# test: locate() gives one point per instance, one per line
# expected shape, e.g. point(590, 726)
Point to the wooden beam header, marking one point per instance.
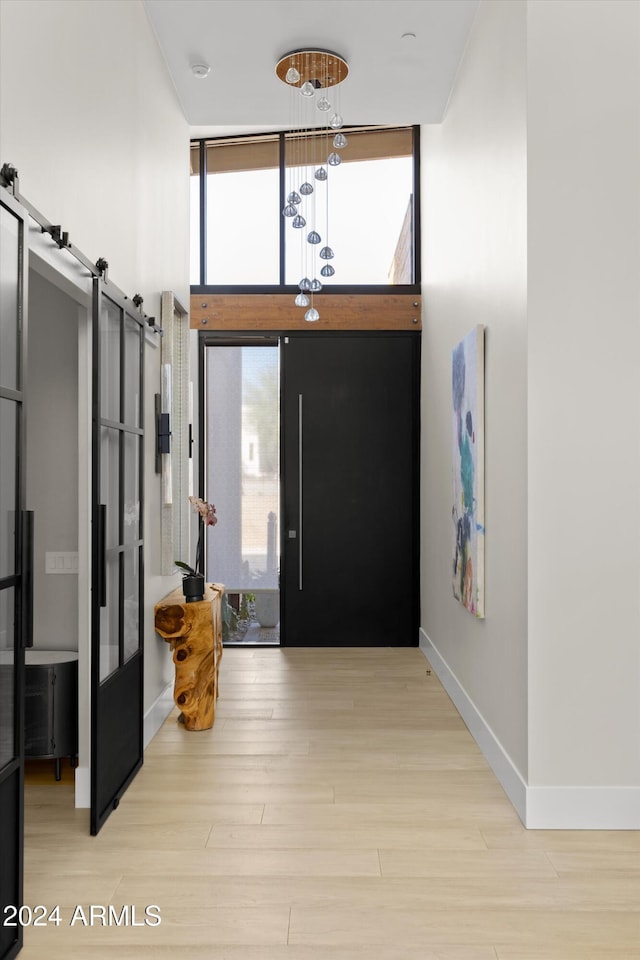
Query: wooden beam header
point(231, 312)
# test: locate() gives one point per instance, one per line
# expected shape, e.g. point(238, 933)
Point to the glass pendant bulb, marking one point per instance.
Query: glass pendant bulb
point(334, 159)
point(314, 237)
point(339, 140)
point(312, 314)
point(302, 300)
point(307, 89)
point(321, 174)
point(323, 104)
point(305, 284)
point(327, 270)
point(290, 210)
point(298, 222)
point(306, 188)
point(316, 286)
point(336, 121)
point(326, 253)
point(295, 197)
point(292, 75)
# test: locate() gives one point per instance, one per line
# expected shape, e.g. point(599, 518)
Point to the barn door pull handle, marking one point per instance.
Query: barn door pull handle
point(299, 491)
point(27, 579)
point(102, 558)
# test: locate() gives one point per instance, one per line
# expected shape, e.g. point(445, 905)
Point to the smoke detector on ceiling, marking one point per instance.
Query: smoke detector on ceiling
point(200, 70)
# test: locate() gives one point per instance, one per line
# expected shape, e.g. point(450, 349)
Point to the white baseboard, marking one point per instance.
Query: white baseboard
point(157, 714)
point(83, 787)
point(583, 808)
point(508, 775)
point(539, 808)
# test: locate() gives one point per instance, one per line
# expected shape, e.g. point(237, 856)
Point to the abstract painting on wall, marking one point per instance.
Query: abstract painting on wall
point(468, 471)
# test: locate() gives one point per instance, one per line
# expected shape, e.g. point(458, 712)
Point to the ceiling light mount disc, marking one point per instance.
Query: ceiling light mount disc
point(323, 68)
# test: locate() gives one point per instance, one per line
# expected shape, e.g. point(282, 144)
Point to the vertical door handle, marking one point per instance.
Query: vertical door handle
point(102, 555)
point(299, 491)
point(27, 579)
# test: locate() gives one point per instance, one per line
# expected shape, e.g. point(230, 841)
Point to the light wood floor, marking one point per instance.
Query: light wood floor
point(338, 810)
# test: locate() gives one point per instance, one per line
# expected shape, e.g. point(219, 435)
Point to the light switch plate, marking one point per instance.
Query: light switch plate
point(66, 562)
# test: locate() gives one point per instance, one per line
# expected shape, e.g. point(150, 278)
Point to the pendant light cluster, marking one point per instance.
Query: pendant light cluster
point(313, 77)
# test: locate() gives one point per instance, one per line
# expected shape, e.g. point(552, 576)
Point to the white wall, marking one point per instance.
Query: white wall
point(90, 119)
point(531, 224)
point(584, 376)
point(474, 271)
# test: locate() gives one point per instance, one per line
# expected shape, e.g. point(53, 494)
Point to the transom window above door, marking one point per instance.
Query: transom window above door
point(239, 188)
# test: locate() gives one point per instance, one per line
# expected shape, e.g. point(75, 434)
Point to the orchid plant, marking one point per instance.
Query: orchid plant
point(207, 518)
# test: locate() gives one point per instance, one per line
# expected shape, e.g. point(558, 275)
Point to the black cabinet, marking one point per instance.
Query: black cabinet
point(51, 705)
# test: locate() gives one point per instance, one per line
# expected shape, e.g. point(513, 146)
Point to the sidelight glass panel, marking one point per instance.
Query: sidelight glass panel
point(110, 618)
point(131, 518)
point(132, 337)
point(242, 466)
point(8, 459)
point(110, 481)
point(131, 625)
point(7, 676)
point(9, 289)
point(110, 361)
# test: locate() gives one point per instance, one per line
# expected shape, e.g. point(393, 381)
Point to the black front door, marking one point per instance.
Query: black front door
point(350, 412)
point(117, 577)
point(15, 569)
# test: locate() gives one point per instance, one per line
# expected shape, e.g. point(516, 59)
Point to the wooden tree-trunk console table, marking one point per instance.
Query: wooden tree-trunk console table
point(194, 632)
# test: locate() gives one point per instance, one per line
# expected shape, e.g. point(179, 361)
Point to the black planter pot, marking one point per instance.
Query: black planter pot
point(193, 587)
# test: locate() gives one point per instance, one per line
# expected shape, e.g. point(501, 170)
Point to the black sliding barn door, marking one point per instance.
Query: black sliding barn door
point(117, 580)
point(15, 568)
point(350, 412)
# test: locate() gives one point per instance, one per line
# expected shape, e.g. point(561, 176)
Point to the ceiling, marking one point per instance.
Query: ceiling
point(392, 80)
